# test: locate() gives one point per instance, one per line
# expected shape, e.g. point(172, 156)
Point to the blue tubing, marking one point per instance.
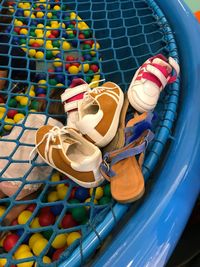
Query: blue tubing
point(151, 235)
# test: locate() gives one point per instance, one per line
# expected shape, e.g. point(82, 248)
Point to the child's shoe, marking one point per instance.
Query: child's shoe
point(70, 153)
point(70, 99)
point(150, 80)
point(99, 113)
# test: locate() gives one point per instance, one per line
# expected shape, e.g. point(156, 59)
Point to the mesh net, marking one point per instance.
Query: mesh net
point(43, 46)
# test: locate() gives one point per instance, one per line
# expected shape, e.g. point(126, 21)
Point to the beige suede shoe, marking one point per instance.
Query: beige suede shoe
point(69, 152)
point(99, 113)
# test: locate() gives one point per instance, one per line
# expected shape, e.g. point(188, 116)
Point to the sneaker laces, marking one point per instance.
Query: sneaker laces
point(50, 136)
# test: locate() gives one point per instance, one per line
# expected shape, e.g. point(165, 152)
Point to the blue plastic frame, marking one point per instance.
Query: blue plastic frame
point(151, 235)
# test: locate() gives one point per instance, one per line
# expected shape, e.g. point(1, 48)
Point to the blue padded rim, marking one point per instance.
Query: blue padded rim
point(94, 239)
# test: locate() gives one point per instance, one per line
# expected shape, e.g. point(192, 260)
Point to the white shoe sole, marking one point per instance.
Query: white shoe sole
point(83, 184)
point(115, 123)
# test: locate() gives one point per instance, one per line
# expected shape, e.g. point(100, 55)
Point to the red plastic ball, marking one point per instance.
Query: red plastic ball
point(68, 221)
point(89, 42)
point(41, 95)
point(56, 33)
point(35, 45)
point(10, 241)
point(51, 36)
point(17, 29)
point(46, 219)
point(57, 253)
point(11, 113)
point(14, 222)
point(72, 194)
point(75, 64)
point(73, 22)
point(31, 207)
point(81, 36)
point(45, 209)
point(94, 67)
point(51, 73)
point(70, 58)
point(67, 66)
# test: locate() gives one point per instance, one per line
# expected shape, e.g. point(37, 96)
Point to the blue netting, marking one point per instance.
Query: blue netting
point(109, 39)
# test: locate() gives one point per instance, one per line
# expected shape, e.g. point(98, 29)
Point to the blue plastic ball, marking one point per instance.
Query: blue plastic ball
point(81, 194)
point(39, 91)
point(60, 78)
point(58, 69)
point(87, 57)
point(56, 209)
point(59, 55)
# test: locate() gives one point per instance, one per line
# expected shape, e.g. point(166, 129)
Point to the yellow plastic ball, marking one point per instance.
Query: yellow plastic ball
point(55, 177)
point(27, 13)
point(31, 41)
point(42, 83)
point(35, 223)
point(39, 246)
point(39, 14)
point(49, 46)
point(24, 48)
point(52, 197)
point(62, 25)
point(32, 16)
point(18, 117)
point(60, 241)
point(85, 67)
point(41, 36)
point(98, 192)
point(45, 259)
point(59, 186)
point(73, 70)
point(21, 249)
point(39, 55)
point(31, 52)
point(24, 101)
point(47, 34)
point(40, 25)
point(9, 126)
point(40, 41)
point(3, 262)
point(57, 62)
point(57, 7)
point(55, 51)
point(2, 109)
point(69, 31)
point(24, 216)
point(2, 210)
point(62, 192)
point(38, 31)
point(73, 236)
point(49, 15)
point(89, 200)
point(34, 238)
point(66, 45)
point(1, 115)
point(18, 23)
point(60, 85)
point(31, 93)
point(23, 31)
point(25, 255)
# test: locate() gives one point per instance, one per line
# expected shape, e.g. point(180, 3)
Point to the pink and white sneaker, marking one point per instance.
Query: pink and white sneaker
point(70, 99)
point(149, 80)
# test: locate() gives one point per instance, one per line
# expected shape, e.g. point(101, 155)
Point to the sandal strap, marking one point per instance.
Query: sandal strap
point(135, 131)
point(130, 150)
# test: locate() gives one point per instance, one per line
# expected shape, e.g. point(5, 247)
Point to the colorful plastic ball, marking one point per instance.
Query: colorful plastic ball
point(31, 207)
point(72, 237)
point(18, 117)
point(79, 214)
point(35, 45)
point(98, 192)
point(60, 78)
point(11, 113)
point(57, 62)
point(24, 216)
point(82, 193)
point(39, 246)
point(39, 91)
point(24, 101)
point(57, 7)
point(2, 210)
point(68, 221)
point(62, 192)
point(35, 223)
point(85, 67)
point(56, 33)
point(25, 255)
point(49, 54)
point(39, 14)
point(39, 55)
point(56, 43)
point(22, 248)
point(33, 239)
point(57, 253)
point(23, 31)
point(3, 262)
point(55, 177)
point(12, 103)
point(2, 99)
point(31, 52)
point(52, 196)
point(106, 190)
point(59, 241)
point(66, 45)
point(10, 241)
point(56, 209)
point(94, 68)
point(90, 199)
point(46, 218)
point(45, 259)
point(35, 105)
point(8, 126)
point(73, 70)
point(70, 58)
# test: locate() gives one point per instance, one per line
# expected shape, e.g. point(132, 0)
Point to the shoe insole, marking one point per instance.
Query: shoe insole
point(128, 184)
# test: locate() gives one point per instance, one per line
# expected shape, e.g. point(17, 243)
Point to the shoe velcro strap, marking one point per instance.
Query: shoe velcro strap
point(72, 92)
point(71, 105)
point(130, 150)
point(157, 73)
point(176, 67)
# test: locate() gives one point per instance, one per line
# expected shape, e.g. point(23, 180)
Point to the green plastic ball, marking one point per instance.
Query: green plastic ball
point(49, 54)
point(12, 103)
point(52, 82)
point(47, 234)
point(35, 105)
point(106, 190)
point(56, 43)
point(104, 200)
point(79, 214)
